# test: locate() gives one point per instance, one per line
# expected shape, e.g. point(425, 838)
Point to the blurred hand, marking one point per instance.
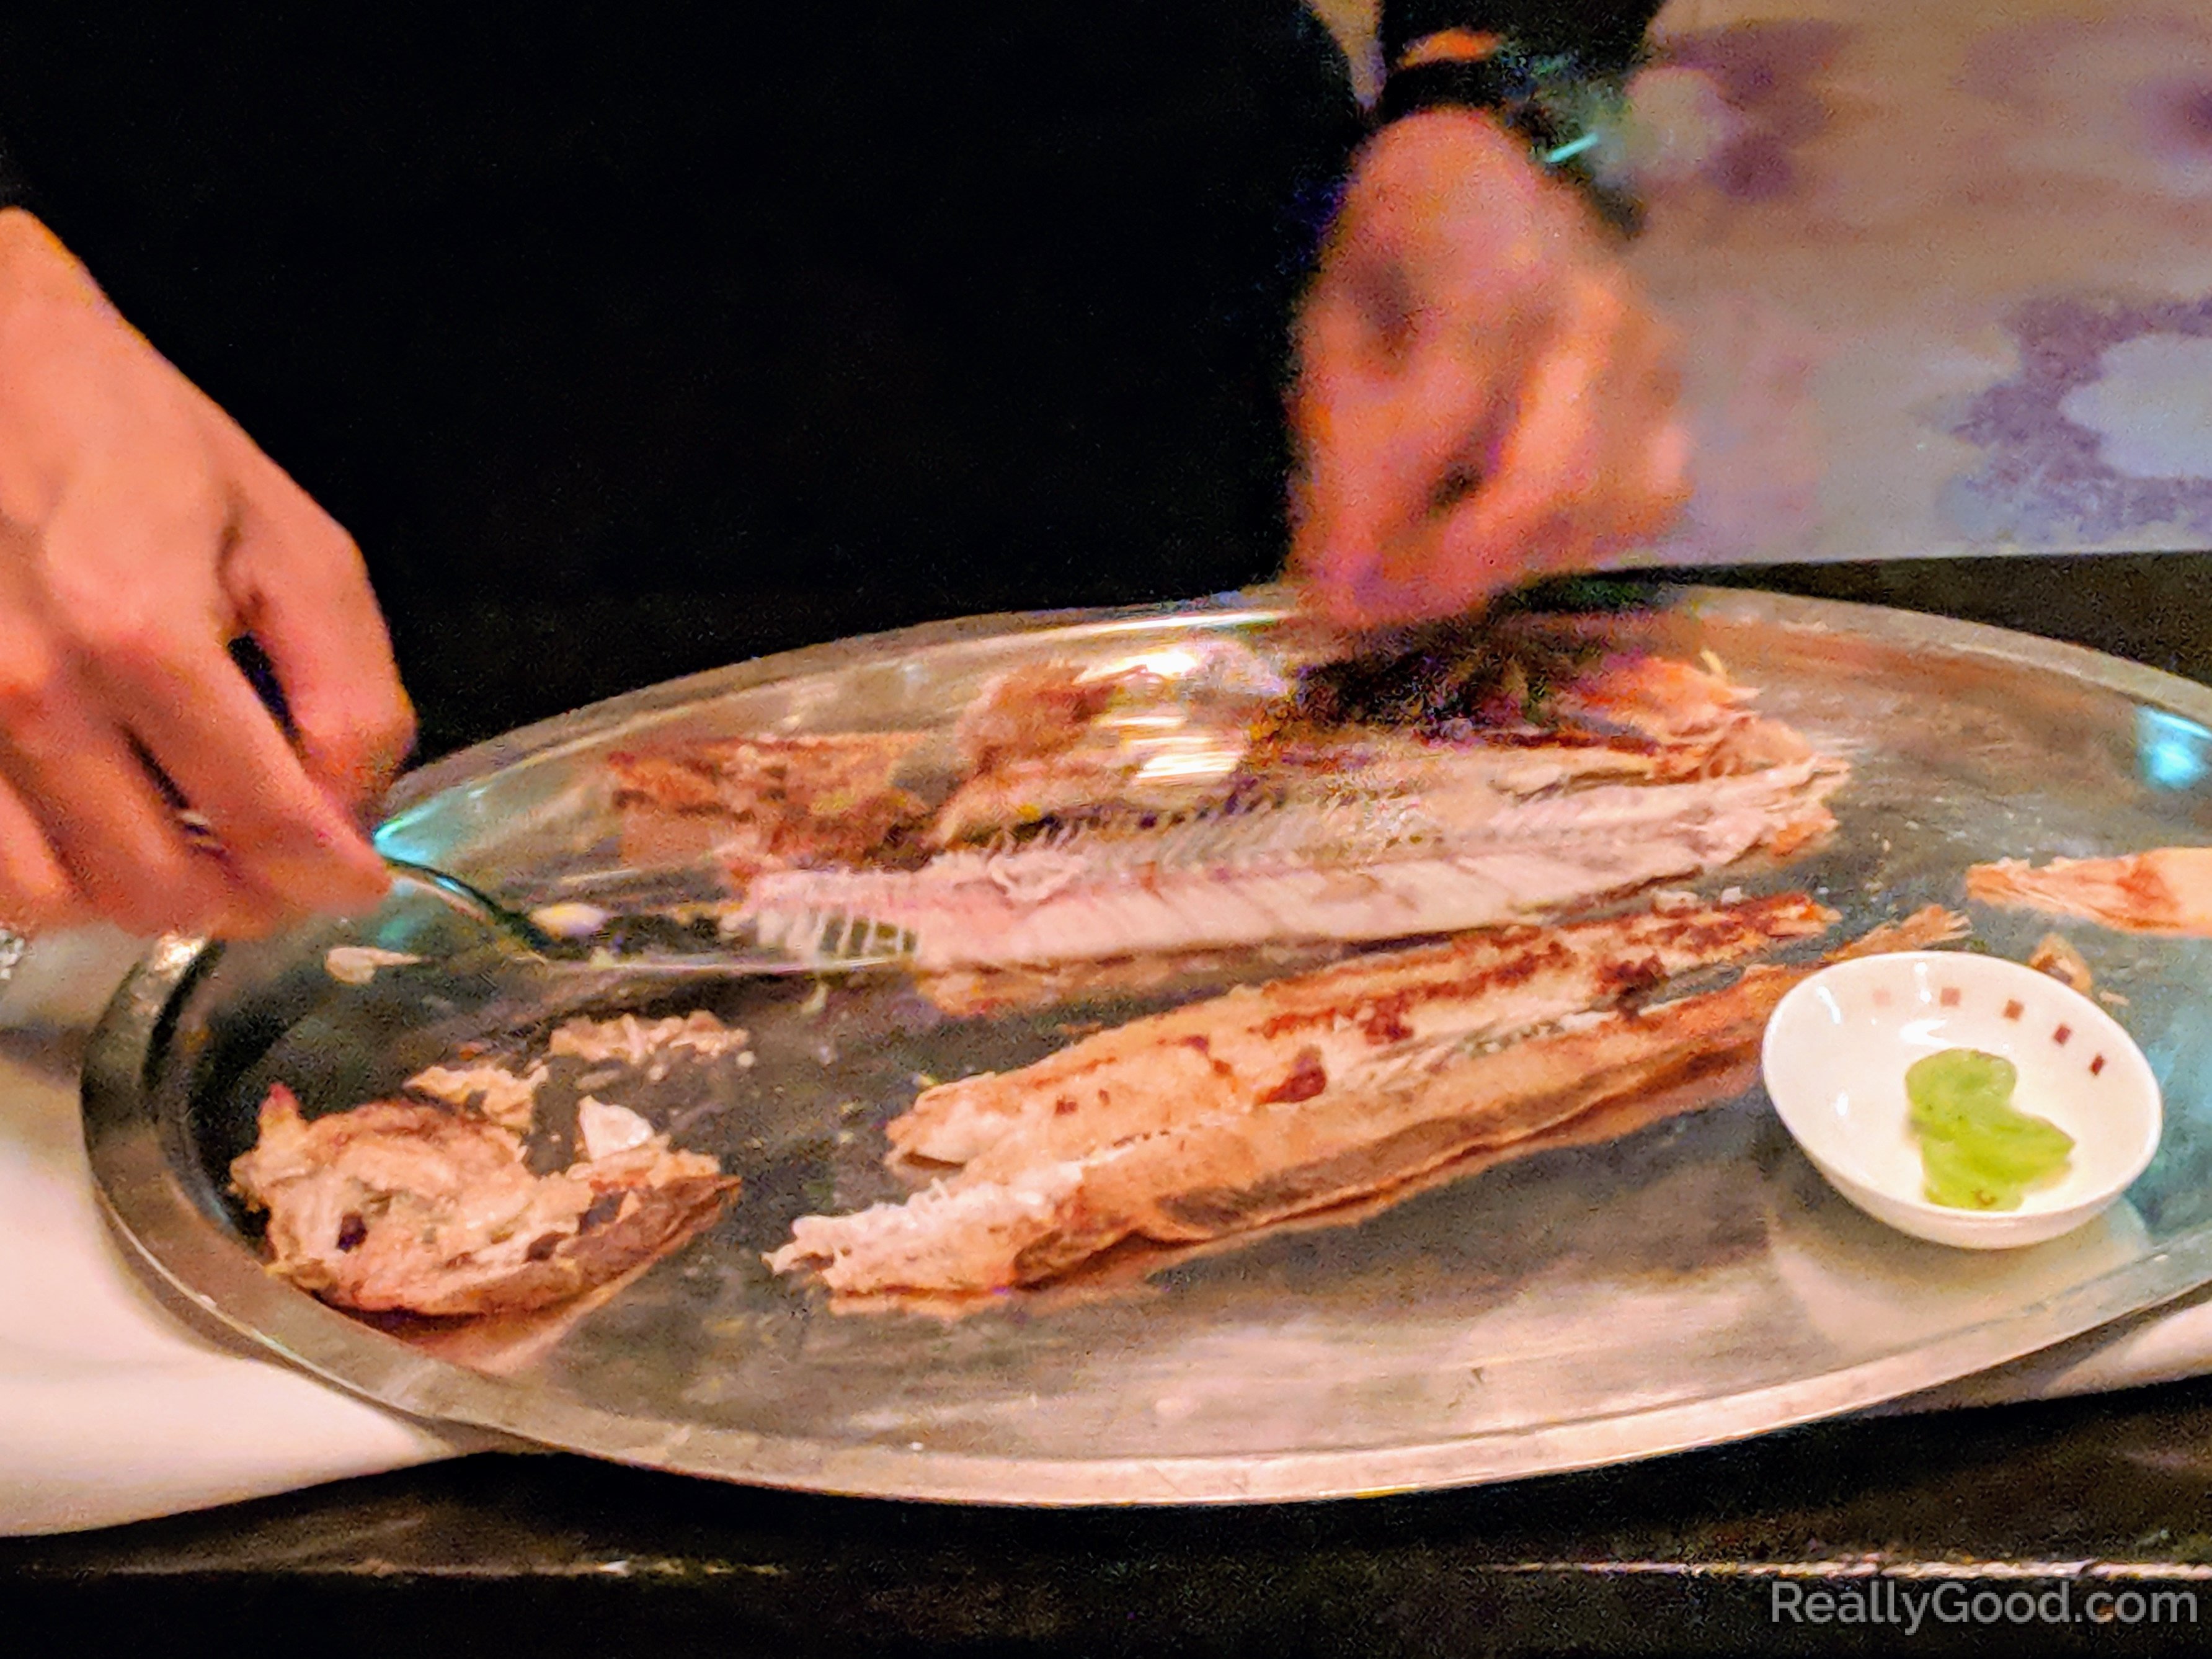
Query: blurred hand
point(1483, 394)
point(140, 533)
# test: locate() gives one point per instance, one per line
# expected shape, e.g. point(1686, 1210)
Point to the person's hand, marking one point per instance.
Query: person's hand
point(1483, 393)
point(140, 531)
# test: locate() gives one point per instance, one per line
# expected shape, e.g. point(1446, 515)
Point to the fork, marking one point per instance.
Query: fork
point(817, 943)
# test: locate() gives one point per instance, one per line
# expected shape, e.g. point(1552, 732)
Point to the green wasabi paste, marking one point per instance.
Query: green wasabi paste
point(1978, 1151)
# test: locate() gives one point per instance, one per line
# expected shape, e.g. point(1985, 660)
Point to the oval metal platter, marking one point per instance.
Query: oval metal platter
point(1691, 1284)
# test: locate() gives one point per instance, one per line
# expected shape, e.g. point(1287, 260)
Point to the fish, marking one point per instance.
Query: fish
point(1185, 802)
point(2168, 889)
point(1043, 1193)
point(1158, 810)
point(984, 993)
point(1165, 731)
point(401, 1206)
point(1294, 831)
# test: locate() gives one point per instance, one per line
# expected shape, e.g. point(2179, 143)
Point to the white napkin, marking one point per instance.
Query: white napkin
point(112, 1407)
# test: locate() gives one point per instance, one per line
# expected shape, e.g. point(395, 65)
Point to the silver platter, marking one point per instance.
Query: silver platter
point(1693, 1284)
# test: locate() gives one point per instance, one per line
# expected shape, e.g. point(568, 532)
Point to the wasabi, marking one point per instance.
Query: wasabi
point(1978, 1151)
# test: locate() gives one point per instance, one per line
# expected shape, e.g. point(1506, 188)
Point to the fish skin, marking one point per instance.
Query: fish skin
point(983, 993)
point(396, 1206)
point(1225, 1173)
point(1490, 860)
point(1237, 1046)
point(1221, 1172)
point(1218, 1176)
point(1296, 763)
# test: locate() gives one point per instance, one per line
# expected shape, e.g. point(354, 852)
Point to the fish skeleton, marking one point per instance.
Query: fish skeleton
point(1354, 867)
point(1157, 809)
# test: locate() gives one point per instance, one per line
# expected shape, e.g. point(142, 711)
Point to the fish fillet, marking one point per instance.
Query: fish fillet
point(1019, 1213)
point(1164, 732)
point(2165, 890)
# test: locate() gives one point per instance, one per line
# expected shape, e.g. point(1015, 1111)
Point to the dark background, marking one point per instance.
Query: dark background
point(712, 328)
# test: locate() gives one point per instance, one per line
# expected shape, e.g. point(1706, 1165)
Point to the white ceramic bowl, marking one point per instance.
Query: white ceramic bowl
point(1835, 1052)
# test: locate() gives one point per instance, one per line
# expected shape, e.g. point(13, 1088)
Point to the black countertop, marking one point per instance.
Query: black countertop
point(2049, 1505)
point(1688, 1554)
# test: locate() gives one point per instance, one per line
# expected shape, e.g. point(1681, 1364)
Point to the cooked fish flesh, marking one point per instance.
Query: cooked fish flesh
point(637, 1041)
point(1166, 731)
point(507, 1099)
point(1046, 1194)
point(2165, 890)
point(768, 803)
point(1149, 808)
point(976, 993)
point(394, 1206)
point(1292, 831)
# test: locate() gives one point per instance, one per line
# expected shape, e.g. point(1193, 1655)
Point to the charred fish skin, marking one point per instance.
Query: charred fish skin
point(1030, 1206)
point(1248, 1042)
point(1223, 1174)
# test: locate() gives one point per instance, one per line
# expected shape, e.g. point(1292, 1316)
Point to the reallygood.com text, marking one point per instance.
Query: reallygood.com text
point(1906, 1607)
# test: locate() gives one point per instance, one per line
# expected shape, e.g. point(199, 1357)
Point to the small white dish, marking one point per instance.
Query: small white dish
point(1835, 1052)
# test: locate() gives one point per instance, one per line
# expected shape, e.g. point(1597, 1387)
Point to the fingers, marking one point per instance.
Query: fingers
point(85, 824)
point(285, 817)
point(148, 672)
point(1484, 394)
point(35, 890)
point(299, 586)
point(139, 531)
point(1430, 489)
point(1386, 445)
point(1596, 459)
point(289, 847)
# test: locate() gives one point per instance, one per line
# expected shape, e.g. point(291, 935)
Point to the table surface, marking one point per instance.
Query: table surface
point(1690, 1553)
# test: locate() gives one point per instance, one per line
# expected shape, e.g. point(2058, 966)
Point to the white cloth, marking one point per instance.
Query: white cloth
point(112, 1407)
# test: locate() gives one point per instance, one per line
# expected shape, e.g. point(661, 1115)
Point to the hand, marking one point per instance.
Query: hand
point(1483, 393)
point(140, 533)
